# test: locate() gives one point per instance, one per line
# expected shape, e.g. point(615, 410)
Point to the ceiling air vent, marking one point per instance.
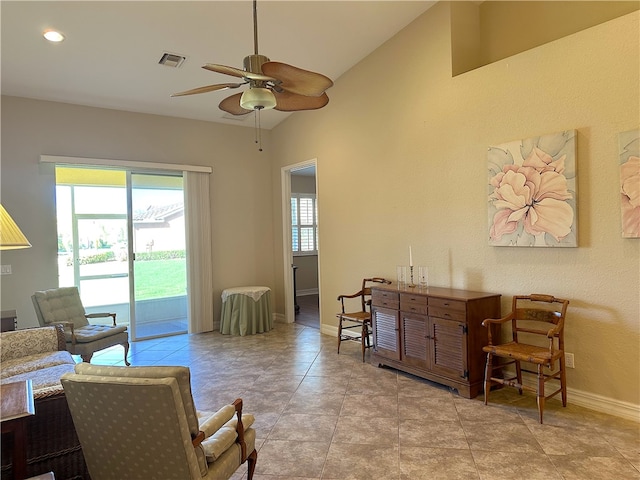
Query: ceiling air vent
point(172, 60)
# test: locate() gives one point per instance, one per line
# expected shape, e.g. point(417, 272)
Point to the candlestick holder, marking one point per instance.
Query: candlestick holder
point(411, 285)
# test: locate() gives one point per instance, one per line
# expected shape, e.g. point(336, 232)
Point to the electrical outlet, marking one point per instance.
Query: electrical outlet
point(5, 270)
point(569, 360)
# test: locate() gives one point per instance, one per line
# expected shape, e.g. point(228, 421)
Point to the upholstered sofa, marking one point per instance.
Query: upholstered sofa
point(39, 355)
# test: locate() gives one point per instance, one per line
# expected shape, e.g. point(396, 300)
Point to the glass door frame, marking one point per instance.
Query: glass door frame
point(128, 219)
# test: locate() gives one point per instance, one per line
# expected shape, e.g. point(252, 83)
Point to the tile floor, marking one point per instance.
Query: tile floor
point(320, 415)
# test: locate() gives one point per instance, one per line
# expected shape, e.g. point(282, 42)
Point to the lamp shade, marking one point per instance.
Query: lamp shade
point(257, 98)
point(11, 237)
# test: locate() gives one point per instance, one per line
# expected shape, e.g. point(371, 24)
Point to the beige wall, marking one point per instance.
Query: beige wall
point(241, 219)
point(401, 160)
point(502, 24)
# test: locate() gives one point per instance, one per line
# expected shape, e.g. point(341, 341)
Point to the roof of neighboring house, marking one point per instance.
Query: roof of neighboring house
point(157, 214)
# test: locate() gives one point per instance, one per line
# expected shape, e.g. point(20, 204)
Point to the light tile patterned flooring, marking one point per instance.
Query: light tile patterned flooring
point(320, 415)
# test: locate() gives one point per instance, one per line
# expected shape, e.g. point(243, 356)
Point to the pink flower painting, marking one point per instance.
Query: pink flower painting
point(630, 183)
point(531, 192)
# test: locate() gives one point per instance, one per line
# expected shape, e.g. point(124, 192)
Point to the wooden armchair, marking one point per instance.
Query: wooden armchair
point(63, 306)
point(532, 316)
point(358, 319)
point(141, 422)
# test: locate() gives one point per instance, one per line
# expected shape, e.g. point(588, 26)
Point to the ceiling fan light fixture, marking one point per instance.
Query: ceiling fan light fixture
point(258, 98)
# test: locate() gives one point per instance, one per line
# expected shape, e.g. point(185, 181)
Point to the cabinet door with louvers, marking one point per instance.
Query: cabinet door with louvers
point(386, 338)
point(448, 347)
point(415, 340)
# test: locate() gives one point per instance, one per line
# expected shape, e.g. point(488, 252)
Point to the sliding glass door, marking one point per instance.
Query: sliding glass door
point(160, 269)
point(121, 242)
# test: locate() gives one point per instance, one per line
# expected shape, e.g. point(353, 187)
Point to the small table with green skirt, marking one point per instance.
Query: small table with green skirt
point(246, 311)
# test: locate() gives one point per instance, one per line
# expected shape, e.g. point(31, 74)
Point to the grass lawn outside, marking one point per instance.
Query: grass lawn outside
point(160, 278)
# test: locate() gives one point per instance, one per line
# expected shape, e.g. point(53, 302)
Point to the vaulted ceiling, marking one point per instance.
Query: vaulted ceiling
point(112, 48)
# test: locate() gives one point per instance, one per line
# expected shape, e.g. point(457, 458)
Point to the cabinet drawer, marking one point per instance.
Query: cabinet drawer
point(381, 298)
point(447, 313)
point(413, 303)
point(445, 303)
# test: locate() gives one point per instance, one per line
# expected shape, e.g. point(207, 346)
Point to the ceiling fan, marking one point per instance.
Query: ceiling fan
point(271, 84)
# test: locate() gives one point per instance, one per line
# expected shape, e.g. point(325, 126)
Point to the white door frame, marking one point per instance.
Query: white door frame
point(287, 251)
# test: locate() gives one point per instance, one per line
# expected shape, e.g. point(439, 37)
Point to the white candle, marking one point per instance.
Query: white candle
point(410, 257)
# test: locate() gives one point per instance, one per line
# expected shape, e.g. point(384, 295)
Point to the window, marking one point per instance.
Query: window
point(304, 224)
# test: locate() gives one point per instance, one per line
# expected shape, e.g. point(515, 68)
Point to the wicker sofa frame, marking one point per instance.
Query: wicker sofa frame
point(53, 445)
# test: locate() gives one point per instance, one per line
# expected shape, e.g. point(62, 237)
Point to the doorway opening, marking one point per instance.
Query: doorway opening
point(301, 248)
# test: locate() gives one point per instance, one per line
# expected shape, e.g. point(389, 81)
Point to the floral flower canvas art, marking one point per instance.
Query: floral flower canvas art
point(532, 192)
point(630, 183)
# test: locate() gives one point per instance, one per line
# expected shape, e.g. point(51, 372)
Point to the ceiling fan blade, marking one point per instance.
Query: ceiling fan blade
point(297, 80)
point(232, 105)
point(236, 72)
point(208, 88)
point(292, 102)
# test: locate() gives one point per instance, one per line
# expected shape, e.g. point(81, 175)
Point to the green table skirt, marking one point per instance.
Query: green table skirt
point(242, 315)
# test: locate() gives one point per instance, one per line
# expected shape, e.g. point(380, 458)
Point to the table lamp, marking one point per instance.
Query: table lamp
point(11, 237)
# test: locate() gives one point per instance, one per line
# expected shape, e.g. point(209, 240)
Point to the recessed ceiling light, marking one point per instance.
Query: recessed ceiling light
point(53, 36)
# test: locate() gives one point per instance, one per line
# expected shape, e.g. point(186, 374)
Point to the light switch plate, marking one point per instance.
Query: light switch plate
point(6, 270)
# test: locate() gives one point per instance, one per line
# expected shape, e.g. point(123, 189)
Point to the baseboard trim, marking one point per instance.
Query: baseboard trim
point(593, 401)
point(604, 404)
point(279, 318)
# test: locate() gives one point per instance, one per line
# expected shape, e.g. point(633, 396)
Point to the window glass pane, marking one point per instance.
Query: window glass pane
point(306, 211)
point(306, 239)
point(294, 211)
point(63, 214)
point(294, 239)
point(95, 200)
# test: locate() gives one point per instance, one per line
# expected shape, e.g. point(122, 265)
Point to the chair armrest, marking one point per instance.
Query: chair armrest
point(355, 295)
point(554, 331)
point(342, 297)
point(70, 326)
point(226, 435)
point(212, 424)
point(240, 430)
point(101, 315)
point(488, 322)
point(197, 440)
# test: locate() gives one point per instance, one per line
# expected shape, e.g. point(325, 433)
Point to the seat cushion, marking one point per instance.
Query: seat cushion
point(91, 333)
point(524, 352)
point(32, 363)
point(360, 317)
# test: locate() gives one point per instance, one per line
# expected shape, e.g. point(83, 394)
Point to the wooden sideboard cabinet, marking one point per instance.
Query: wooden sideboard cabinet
point(434, 333)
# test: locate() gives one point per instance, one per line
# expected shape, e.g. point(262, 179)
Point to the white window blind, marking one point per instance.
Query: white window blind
point(304, 223)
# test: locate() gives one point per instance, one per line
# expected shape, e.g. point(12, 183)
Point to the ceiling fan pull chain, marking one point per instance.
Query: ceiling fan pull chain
point(257, 128)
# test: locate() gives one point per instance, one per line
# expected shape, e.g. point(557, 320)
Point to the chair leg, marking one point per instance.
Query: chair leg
point(488, 370)
point(126, 353)
point(563, 381)
point(540, 393)
point(519, 375)
point(364, 338)
point(251, 463)
point(339, 333)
